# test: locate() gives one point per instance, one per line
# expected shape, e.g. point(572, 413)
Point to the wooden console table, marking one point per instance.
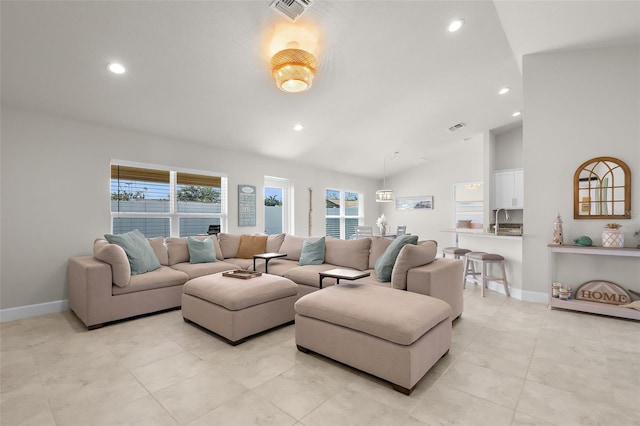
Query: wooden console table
point(585, 305)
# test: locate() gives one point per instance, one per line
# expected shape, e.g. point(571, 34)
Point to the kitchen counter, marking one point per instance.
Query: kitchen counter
point(481, 233)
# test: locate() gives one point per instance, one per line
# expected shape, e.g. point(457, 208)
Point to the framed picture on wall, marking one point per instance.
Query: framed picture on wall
point(424, 202)
point(246, 205)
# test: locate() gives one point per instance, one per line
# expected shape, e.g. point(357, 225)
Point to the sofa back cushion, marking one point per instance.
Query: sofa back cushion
point(411, 256)
point(378, 246)
point(251, 245)
point(384, 264)
point(139, 252)
point(292, 247)
point(229, 244)
point(274, 242)
point(348, 253)
point(178, 248)
point(115, 256)
point(160, 249)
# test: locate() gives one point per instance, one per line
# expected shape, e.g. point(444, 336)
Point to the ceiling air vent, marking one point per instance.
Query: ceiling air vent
point(291, 8)
point(456, 127)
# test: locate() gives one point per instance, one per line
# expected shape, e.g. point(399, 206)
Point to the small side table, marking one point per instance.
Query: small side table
point(344, 274)
point(267, 257)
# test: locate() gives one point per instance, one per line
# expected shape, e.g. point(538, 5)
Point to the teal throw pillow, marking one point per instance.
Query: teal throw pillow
point(384, 264)
point(201, 251)
point(312, 252)
point(139, 252)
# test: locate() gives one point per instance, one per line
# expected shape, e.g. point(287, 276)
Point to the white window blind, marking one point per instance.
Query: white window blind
point(343, 213)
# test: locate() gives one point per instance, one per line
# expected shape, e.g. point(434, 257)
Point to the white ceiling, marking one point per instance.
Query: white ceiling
point(391, 78)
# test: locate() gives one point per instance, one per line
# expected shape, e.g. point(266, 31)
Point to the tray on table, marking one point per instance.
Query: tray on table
point(241, 274)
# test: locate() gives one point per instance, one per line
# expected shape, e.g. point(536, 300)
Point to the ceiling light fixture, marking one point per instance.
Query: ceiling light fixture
point(504, 90)
point(293, 69)
point(516, 114)
point(116, 68)
point(298, 127)
point(385, 195)
point(456, 25)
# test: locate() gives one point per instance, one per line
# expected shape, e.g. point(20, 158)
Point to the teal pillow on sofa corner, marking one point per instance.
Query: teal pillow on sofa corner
point(139, 252)
point(201, 251)
point(312, 252)
point(384, 264)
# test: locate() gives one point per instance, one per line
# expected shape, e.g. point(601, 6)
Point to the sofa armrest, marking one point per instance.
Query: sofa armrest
point(90, 283)
point(441, 279)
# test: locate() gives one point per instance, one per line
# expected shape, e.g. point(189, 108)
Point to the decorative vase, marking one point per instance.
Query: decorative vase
point(612, 238)
point(383, 230)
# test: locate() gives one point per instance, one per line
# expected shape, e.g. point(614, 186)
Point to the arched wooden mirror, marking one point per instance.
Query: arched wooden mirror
point(602, 189)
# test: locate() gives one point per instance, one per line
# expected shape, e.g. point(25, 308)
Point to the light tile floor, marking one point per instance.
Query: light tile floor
point(511, 363)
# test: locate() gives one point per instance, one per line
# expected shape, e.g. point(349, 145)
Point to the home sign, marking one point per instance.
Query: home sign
point(603, 292)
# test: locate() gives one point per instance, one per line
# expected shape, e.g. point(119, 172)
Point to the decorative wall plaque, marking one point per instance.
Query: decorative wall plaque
point(603, 292)
point(246, 205)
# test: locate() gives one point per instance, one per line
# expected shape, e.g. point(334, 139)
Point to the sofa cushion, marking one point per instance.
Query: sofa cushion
point(160, 249)
point(161, 277)
point(292, 247)
point(309, 274)
point(178, 248)
point(251, 245)
point(274, 241)
point(195, 270)
point(312, 251)
point(348, 253)
point(378, 246)
point(139, 252)
point(201, 251)
point(384, 264)
point(400, 317)
point(115, 256)
point(229, 244)
point(411, 256)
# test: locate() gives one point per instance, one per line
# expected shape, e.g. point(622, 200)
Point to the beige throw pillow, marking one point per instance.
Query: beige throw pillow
point(411, 256)
point(229, 244)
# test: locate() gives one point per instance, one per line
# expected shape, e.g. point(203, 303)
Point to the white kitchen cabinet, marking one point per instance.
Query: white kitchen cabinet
point(508, 189)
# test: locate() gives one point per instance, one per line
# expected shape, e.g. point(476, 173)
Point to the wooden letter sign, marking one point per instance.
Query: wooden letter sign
point(603, 292)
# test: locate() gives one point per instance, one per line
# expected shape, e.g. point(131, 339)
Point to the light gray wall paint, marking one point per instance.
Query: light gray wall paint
point(508, 149)
point(55, 193)
point(577, 105)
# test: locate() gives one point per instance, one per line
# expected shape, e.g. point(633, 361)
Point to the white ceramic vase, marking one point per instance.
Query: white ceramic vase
point(612, 238)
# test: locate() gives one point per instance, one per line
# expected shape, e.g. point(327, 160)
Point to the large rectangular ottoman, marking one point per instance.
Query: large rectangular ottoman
point(392, 334)
point(236, 308)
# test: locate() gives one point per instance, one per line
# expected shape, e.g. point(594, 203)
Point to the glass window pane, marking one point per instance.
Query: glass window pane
point(350, 227)
point(190, 226)
point(333, 202)
point(149, 226)
point(139, 196)
point(351, 204)
point(333, 227)
point(198, 199)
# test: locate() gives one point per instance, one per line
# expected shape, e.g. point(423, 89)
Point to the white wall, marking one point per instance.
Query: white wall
point(462, 162)
point(508, 149)
point(64, 165)
point(577, 105)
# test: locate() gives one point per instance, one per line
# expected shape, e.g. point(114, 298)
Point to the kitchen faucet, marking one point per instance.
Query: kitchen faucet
point(506, 216)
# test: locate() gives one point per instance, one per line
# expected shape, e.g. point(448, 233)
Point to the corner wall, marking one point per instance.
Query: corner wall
point(577, 105)
point(55, 194)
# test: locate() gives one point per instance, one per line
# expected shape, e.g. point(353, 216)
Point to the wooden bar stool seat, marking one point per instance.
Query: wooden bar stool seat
point(484, 259)
point(456, 252)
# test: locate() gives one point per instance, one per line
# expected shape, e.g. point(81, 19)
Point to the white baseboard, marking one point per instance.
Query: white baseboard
point(517, 293)
point(11, 314)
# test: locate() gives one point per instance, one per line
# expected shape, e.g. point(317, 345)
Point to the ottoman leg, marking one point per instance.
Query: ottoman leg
point(402, 389)
point(303, 350)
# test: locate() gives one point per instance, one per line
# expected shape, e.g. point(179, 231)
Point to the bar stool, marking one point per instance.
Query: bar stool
point(456, 252)
point(485, 259)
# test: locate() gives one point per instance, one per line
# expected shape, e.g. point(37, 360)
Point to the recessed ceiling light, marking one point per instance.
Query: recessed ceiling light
point(516, 114)
point(298, 127)
point(116, 68)
point(456, 25)
point(504, 90)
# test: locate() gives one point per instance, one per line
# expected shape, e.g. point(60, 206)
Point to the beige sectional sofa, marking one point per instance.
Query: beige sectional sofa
point(102, 288)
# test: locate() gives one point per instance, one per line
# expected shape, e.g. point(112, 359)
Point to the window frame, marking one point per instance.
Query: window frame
point(342, 216)
point(173, 215)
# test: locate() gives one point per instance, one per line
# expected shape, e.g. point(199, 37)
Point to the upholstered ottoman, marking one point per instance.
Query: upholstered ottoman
point(237, 308)
point(392, 334)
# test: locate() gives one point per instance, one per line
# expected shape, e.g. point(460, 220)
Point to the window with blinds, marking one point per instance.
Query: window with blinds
point(166, 202)
point(343, 213)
